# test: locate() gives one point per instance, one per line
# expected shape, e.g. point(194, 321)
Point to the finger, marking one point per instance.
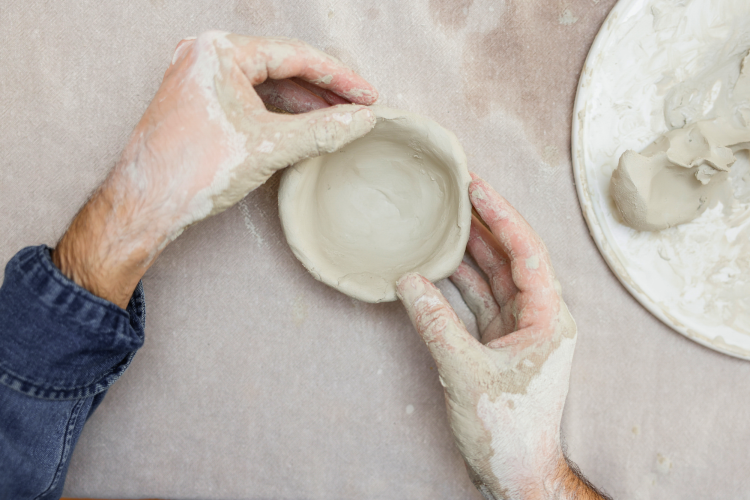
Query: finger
point(326, 95)
point(285, 138)
point(280, 58)
point(450, 344)
point(311, 134)
point(483, 248)
point(288, 96)
point(529, 259)
point(476, 293)
point(478, 296)
point(519, 341)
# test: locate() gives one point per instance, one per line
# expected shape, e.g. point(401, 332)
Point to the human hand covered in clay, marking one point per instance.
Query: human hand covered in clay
point(505, 394)
point(205, 141)
point(207, 138)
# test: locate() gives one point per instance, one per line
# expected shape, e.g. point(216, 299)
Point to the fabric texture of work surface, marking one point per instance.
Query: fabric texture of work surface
point(258, 382)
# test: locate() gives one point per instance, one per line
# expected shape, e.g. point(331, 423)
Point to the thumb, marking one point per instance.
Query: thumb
point(321, 131)
point(452, 347)
point(182, 48)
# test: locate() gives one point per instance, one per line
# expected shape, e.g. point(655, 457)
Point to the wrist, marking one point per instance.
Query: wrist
point(546, 479)
point(102, 250)
point(570, 484)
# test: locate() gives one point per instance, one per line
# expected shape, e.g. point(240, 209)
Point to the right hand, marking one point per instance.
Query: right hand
point(505, 394)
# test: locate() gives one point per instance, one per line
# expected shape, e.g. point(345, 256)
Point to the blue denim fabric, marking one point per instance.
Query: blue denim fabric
point(60, 349)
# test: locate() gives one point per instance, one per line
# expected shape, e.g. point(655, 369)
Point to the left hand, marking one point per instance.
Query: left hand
point(203, 143)
point(207, 139)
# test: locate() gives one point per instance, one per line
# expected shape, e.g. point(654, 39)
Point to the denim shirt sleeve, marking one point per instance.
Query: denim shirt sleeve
point(61, 347)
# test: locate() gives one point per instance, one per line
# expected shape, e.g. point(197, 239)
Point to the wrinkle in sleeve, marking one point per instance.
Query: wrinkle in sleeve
point(57, 340)
point(60, 349)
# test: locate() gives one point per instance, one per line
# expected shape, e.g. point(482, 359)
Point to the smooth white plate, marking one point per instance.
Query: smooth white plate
point(694, 277)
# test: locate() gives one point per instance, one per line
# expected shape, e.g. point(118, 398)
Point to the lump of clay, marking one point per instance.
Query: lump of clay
point(674, 179)
point(389, 203)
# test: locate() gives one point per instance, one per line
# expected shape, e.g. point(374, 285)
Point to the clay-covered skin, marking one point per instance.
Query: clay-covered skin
point(504, 393)
point(204, 142)
point(677, 177)
point(392, 202)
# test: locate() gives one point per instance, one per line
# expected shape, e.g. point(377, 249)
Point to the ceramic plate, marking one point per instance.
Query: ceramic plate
point(654, 66)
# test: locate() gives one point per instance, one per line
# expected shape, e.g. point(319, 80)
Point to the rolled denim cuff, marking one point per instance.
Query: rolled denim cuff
point(58, 340)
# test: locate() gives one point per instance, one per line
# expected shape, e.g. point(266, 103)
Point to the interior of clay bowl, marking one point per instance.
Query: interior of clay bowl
point(392, 202)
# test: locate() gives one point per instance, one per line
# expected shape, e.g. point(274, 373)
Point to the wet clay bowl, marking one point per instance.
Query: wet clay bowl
point(392, 202)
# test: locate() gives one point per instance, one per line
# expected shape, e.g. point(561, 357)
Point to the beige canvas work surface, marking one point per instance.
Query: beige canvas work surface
point(258, 382)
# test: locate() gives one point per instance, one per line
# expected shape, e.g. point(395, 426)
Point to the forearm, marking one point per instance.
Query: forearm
point(109, 246)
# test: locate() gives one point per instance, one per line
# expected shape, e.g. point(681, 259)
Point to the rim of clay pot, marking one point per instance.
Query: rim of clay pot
point(448, 254)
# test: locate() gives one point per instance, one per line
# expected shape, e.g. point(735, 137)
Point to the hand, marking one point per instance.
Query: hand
point(204, 142)
point(505, 394)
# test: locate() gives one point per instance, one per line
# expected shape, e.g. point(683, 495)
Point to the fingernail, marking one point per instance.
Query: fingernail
point(477, 193)
point(364, 122)
point(365, 114)
point(362, 96)
point(410, 287)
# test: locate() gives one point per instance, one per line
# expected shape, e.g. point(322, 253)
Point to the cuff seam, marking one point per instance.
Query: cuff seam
point(63, 280)
point(41, 391)
point(49, 271)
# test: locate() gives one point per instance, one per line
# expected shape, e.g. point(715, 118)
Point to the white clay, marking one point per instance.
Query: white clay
point(678, 176)
point(393, 202)
point(658, 66)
